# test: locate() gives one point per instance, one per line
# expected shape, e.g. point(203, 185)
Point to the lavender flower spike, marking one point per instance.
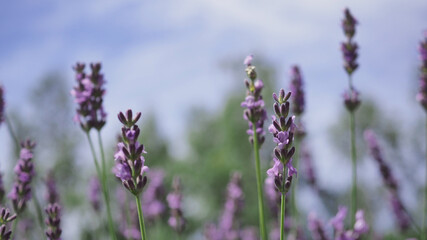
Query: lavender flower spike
point(282, 129)
point(316, 227)
point(24, 170)
point(254, 111)
point(53, 222)
point(5, 217)
point(422, 94)
point(94, 193)
point(349, 48)
point(176, 221)
point(89, 93)
point(130, 163)
point(1, 104)
point(52, 195)
point(298, 101)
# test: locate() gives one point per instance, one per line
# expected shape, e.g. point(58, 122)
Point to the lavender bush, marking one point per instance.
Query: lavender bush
point(80, 205)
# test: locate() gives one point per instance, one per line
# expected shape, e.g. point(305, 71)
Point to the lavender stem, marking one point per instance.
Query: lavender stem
point(140, 217)
point(100, 176)
point(104, 181)
point(259, 186)
point(354, 167)
point(282, 211)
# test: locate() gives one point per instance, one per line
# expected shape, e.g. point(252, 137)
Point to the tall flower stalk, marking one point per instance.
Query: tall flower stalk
point(351, 97)
point(130, 166)
point(282, 128)
point(422, 98)
point(298, 107)
point(88, 94)
point(255, 114)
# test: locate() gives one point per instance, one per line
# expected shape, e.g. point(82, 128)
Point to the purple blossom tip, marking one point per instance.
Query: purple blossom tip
point(53, 222)
point(174, 199)
point(248, 60)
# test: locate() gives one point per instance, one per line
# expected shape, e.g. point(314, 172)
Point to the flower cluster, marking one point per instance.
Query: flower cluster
point(5, 218)
point(130, 163)
point(53, 222)
point(388, 179)
point(89, 93)
point(255, 112)
point(282, 129)
point(94, 193)
point(153, 197)
point(360, 226)
point(422, 94)
point(296, 87)
point(349, 48)
point(24, 170)
point(176, 220)
point(1, 104)
point(351, 99)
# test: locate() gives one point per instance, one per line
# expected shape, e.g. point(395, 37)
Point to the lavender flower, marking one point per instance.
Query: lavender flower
point(233, 206)
point(24, 169)
point(2, 192)
point(376, 153)
point(349, 48)
point(316, 227)
point(1, 104)
point(298, 101)
point(5, 218)
point(153, 196)
point(88, 94)
point(52, 195)
point(176, 221)
point(254, 113)
point(309, 171)
point(401, 216)
point(272, 195)
point(129, 168)
point(94, 193)
point(53, 222)
point(338, 221)
point(360, 226)
point(351, 99)
point(422, 94)
point(282, 129)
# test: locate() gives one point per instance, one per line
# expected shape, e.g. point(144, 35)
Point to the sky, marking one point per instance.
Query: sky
point(164, 57)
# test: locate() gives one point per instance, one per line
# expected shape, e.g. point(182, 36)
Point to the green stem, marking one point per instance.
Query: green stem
point(282, 216)
point(259, 186)
point(424, 224)
point(105, 194)
point(295, 212)
point(354, 168)
point(104, 180)
point(140, 217)
point(39, 213)
point(15, 223)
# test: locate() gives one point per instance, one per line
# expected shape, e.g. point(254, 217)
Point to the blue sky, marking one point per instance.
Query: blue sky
point(164, 56)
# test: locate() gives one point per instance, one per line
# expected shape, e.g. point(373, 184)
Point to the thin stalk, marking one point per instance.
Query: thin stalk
point(424, 225)
point(282, 216)
point(104, 180)
point(354, 168)
point(11, 132)
point(259, 186)
point(15, 223)
point(100, 176)
point(295, 212)
point(141, 218)
point(39, 213)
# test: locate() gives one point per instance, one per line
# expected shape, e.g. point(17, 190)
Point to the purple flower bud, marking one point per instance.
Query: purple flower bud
point(1, 104)
point(351, 100)
point(338, 221)
point(360, 226)
point(153, 197)
point(248, 60)
point(130, 163)
point(402, 219)
point(88, 94)
point(24, 169)
point(422, 93)
point(349, 24)
point(53, 222)
point(297, 84)
point(349, 48)
point(254, 111)
point(316, 227)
